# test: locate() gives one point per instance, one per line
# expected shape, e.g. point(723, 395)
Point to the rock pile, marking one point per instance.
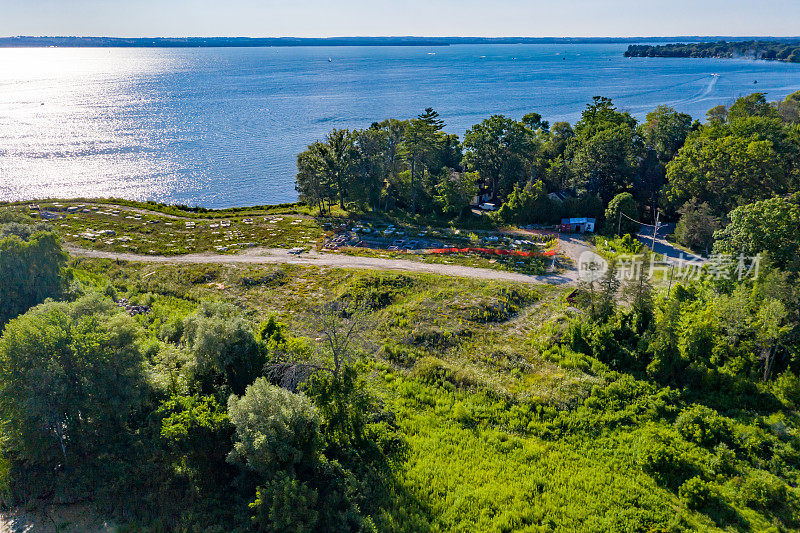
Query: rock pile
point(133, 310)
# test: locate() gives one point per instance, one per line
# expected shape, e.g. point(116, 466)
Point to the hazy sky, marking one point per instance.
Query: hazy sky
point(262, 18)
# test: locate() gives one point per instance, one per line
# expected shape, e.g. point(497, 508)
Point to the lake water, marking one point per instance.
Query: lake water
point(222, 127)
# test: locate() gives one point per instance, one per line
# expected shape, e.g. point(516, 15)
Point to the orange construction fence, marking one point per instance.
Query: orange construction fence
point(492, 251)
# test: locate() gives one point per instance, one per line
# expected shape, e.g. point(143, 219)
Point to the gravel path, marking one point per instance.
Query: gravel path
point(282, 256)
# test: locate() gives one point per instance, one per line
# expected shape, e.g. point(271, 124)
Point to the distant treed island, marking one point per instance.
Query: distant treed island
point(784, 50)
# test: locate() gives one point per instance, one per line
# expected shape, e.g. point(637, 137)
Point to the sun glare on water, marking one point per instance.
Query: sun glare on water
point(57, 104)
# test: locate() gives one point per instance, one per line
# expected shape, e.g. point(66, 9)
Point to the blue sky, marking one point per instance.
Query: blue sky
point(261, 18)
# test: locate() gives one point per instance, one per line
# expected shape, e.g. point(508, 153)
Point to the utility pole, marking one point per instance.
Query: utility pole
point(655, 230)
point(619, 222)
point(669, 288)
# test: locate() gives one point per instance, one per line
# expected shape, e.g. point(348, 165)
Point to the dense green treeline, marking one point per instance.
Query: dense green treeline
point(742, 154)
point(768, 50)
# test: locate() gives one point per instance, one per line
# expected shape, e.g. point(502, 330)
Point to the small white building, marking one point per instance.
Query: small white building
point(577, 225)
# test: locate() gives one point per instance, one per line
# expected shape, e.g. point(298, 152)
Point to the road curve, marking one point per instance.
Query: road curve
point(266, 256)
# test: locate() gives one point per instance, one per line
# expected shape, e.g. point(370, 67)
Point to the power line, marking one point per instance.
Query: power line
point(634, 220)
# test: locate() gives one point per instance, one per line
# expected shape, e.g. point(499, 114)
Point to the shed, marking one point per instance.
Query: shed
point(577, 225)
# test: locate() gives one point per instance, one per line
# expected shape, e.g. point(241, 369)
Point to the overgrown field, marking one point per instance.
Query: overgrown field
point(504, 424)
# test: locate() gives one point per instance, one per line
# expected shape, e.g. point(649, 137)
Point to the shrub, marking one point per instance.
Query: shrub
point(198, 432)
point(696, 493)
point(697, 225)
point(434, 371)
point(763, 491)
point(401, 355)
point(275, 429)
point(268, 279)
point(377, 292)
point(5, 475)
point(724, 460)
point(704, 426)
point(787, 387)
point(529, 204)
point(70, 375)
point(285, 504)
point(171, 330)
point(619, 213)
point(499, 309)
point(225, 349)
point(30, 272)
point(662, 453)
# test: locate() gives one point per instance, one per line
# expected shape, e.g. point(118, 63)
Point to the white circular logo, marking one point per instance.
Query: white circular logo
point(591, 266)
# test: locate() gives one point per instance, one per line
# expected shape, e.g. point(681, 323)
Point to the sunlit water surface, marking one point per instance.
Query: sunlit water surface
point(222, 127)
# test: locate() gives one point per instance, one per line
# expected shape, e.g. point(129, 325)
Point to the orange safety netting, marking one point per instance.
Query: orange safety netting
point(492, 251)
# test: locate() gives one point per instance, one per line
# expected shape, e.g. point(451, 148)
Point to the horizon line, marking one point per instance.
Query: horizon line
point(400, 37)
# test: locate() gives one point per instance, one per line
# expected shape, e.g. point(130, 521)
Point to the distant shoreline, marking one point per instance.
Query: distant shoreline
point(258, 42)
point(787, 50)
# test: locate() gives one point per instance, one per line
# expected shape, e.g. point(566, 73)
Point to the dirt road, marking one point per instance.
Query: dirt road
point(282, 256)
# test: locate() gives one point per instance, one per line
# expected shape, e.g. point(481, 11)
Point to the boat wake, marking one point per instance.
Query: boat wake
point(704, 92)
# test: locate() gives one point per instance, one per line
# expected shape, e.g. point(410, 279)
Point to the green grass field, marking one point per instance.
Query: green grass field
point(503, 430)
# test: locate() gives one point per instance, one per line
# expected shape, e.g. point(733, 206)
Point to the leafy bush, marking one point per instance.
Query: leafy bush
point(622, 212)
point(696, 493)
point(696, 227)
point(499, 309)
point(31, 271)
point(763, 491)
point(434, 371)
point(377, 292)
point(787, 387)
point(70, 375)
point(21, 230)
point(285, 503)
point(275, 429)
point(5, 476)
point(401, 355)
point(529, 204)
point(224, 346)
point(197, 431)
point(267, 279)
point(664, 454)
point(702, 425)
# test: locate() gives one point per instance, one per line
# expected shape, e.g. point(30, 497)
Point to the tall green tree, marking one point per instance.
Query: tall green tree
point(419, 146)
point(605, 150)
point(664, 133)
point(70, 376)
point(529, 204)
point(30, 272)
point(752, 105)
point(768, 227)
point(696, 226)
point(725, 172)
point(226, 354)
point(665, 130)
point(312, 182)
point(621, 215)
point(504, 152)
point(327, 166)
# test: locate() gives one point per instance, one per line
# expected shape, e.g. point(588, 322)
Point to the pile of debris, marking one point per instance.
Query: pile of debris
point(133, 310)
point(342, 239)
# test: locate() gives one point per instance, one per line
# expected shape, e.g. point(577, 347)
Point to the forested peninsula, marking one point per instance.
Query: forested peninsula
point(783, 50)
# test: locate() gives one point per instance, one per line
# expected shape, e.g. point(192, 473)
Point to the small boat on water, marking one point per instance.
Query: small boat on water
point(330, 60)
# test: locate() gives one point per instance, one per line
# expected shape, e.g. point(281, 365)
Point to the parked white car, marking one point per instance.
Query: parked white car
point(488, 206)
